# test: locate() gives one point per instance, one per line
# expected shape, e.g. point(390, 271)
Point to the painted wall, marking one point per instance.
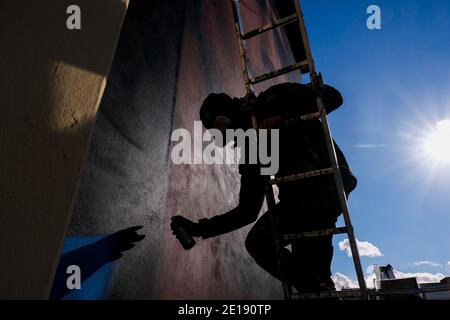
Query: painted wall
point(51, 83)
point(171, 55)
point(217, 268)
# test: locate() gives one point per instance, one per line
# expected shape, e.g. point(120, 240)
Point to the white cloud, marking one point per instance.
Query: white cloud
point(369, 146)
point(422, 277)
point(370, 269)
point(448, 263)
point(370, 281)
point(427, 263)
point(344, 282)
point(341, 281)
point(366, 249)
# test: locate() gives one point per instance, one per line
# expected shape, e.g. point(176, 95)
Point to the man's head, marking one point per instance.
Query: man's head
point(219, 111)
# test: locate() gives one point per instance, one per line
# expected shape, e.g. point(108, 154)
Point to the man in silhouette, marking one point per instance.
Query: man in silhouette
point(305, 205)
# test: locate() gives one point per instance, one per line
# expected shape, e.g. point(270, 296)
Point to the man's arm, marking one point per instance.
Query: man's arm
point(292, 100)
point(251, 197)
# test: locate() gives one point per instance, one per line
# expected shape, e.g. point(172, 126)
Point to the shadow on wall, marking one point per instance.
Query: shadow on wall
point(51, 81)
point(94, 256)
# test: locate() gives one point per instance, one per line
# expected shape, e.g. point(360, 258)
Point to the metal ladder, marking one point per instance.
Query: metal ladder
point(305, 67)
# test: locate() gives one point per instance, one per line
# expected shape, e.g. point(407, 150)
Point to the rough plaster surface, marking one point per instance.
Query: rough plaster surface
point(171, 55)
point(51, 82)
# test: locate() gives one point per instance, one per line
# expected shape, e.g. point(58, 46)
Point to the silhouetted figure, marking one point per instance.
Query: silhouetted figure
point(92, 257)
point(305, 205)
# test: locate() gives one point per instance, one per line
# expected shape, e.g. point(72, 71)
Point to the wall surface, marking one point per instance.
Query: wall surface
point(51, 83)
point(171, 55)
point(218, 268)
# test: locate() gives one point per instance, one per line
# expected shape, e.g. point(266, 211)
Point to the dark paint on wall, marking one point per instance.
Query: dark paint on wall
point(171, 55)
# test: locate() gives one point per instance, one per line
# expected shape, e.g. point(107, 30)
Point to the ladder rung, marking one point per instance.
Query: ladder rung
point(312, 234)
point(302, 176)
point(306, 117)
point(311, 116)
point(345, 294)
point(303, 65)
point(270, 26)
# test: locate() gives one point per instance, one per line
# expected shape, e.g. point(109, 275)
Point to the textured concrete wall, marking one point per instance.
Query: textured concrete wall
point(125, 178)
point(171, 55)
point(51, 82)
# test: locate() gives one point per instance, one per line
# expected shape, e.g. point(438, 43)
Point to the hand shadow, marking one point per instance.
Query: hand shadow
point(92, 257)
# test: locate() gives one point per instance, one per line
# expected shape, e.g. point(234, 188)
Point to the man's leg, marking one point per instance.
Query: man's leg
point(261, 246)
point(309, 263)
point(316, 254)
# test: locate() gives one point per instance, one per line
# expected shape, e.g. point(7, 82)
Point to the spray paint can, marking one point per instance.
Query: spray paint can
point(184, 236)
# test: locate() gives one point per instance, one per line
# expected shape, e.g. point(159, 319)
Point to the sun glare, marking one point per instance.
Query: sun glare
point(437, 144)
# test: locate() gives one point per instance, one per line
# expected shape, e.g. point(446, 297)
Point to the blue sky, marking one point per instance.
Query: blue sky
point(396, 86)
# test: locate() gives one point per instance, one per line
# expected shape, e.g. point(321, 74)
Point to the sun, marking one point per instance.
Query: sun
point(437, 144)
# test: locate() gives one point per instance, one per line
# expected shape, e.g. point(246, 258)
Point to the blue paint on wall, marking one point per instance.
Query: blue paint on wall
point(94, 255)
point(95, 287)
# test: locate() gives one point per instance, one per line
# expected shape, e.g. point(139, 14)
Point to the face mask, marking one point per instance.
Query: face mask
point(222, 123)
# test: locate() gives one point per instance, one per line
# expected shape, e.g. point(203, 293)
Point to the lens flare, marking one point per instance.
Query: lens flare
point(437, 144)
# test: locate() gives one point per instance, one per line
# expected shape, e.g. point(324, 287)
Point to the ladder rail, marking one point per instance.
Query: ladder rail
point(242, 48)
point(270, 196)
point(332, 153)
